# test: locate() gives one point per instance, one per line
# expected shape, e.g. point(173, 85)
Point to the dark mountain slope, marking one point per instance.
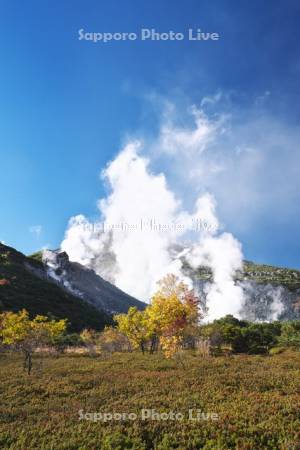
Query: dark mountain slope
point(23, 284)
point(85, 283)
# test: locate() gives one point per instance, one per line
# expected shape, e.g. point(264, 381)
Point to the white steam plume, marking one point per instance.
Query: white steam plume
point(224, 256)
point(140, 202)
point(142, 219)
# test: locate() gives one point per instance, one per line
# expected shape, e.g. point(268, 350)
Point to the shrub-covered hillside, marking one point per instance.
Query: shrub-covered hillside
point(256, 399)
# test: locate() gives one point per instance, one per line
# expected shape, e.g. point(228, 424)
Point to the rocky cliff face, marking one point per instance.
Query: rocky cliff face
point(86, 284)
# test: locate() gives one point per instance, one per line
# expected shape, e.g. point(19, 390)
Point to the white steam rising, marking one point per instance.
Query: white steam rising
point(141, 221)
point(224, 256)
point(137, 253)
point(277, 306)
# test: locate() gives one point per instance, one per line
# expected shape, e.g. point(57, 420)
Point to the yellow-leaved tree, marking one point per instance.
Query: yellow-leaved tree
point(90, 337)
point(173, 314)
point(112, 340)
point(171, 318)
point(134, 325)
point(18, 331)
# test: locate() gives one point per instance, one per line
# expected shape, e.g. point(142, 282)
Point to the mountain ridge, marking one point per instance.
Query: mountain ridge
point(270, 292)
point(21, 288)
point(87, 284)
point(25, 284)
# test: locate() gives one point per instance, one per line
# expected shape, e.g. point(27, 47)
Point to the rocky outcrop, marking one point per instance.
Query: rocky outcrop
point(86, 284)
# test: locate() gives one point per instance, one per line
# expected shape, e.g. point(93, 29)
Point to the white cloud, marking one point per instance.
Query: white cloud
point(248, 159)
point(36, 230)
point(193, 141)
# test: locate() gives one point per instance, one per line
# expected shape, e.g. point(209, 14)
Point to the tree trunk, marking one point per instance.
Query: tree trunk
point(154, 345)
point(27, 361)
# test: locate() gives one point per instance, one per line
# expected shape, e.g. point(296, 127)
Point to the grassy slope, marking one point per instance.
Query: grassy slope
point(257, 400)
point(25, 290)
point(261, 273)
point(277, 275)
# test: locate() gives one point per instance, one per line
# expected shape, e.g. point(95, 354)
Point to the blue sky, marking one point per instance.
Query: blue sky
point(66, 105)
